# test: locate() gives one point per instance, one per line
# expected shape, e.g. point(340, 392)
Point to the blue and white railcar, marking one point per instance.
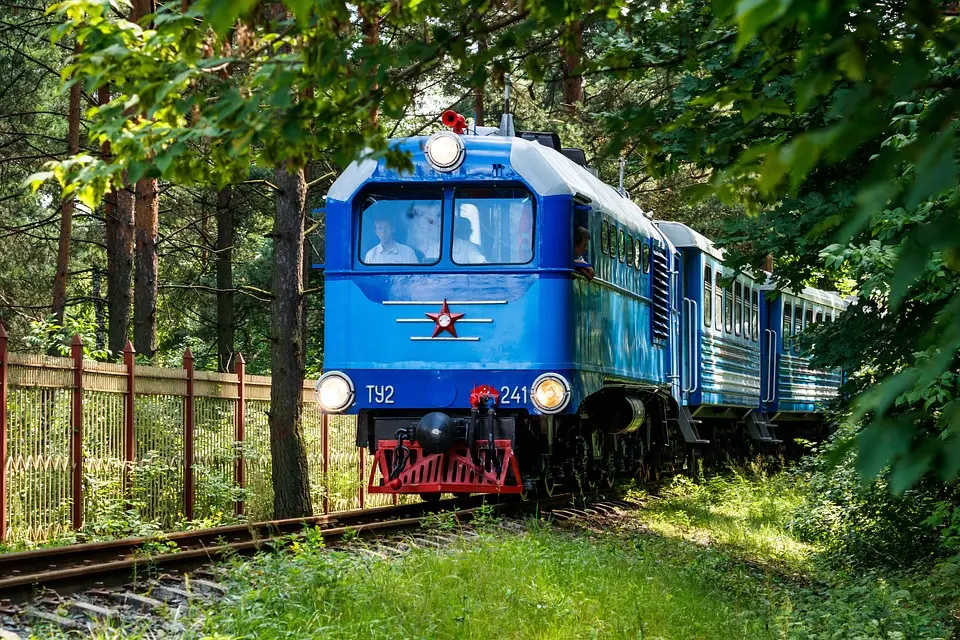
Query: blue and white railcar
point(792, 388)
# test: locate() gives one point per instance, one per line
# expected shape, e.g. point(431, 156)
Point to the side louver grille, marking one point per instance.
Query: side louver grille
point(661, 295)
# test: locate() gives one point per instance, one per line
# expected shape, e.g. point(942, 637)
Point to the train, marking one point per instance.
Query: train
point(481, 354)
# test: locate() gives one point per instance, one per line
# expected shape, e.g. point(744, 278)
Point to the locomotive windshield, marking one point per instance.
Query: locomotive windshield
point(492, 226)
point(401, 228)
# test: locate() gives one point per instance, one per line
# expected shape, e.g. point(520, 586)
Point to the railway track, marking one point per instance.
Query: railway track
point(68, 569)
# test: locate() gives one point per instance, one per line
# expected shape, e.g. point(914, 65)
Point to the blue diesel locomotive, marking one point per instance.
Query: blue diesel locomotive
point(479, 359)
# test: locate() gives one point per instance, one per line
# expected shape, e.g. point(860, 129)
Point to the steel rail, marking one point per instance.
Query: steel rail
point(74, 567)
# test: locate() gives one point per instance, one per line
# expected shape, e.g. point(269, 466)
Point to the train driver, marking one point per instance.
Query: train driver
point(388, 250)
point(465, 250)
point(581, 240)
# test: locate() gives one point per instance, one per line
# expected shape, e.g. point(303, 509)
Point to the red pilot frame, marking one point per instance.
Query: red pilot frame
point(477, 462)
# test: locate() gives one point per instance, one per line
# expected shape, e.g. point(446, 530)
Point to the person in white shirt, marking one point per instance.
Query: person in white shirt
point(389, 251)
point(465, 251)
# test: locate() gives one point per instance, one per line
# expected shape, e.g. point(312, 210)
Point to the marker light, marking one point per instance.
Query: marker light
point(334, 392)
point(551, 393)
point(445, 151)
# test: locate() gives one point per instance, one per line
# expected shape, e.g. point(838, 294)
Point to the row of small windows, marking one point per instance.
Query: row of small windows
point(734, 309)
point(618, 244)
point(797, 316)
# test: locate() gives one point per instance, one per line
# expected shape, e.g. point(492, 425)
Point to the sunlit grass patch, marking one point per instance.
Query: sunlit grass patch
point(746, 511)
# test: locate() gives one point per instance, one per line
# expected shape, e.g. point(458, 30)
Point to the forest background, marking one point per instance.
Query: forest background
point(166, 191)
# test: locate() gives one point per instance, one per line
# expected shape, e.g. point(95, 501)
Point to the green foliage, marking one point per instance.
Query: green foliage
point(835, 126)
point(860, 525)
point(48, 336)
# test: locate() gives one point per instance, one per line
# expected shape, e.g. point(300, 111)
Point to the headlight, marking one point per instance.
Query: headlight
point(445, 151)
point(551, 393)
point(334, 392)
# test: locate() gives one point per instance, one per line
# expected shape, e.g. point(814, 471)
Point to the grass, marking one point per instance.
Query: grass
point(711, 560)
point(545, 584)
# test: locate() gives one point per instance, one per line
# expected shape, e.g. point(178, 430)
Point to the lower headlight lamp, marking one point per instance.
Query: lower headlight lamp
point(334, 392)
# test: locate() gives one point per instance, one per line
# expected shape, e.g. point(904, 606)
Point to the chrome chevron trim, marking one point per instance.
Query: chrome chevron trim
point(435, 302)
point(458, 320)
point(444, 339)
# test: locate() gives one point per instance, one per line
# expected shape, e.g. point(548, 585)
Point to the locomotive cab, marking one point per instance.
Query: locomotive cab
point(449, 298)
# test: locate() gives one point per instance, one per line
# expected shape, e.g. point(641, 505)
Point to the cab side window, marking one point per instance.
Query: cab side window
point(604, 242)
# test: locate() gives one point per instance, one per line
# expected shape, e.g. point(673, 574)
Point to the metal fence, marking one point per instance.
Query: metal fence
point(81, 439)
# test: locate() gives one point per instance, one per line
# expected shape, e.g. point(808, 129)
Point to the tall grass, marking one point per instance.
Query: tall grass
point(746, 510)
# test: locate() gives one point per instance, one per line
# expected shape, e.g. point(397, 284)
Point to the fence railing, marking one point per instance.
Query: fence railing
point(81, 439)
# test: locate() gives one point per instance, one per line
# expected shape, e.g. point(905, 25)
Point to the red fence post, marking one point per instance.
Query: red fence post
point(189, 491)
point(76, 424)
point(3, 432)
point(240, 476)
point(129, 441)
point(363, 473)
point(325, 462)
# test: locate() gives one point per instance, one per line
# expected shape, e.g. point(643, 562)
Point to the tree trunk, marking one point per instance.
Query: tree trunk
point(66, 209)
point(572, 72)
point(119, 214)
point(478, 110)
point(291, 485)
point(146, 229)
point(118, 217)
point(225, 322)
point(370, 26)
point(145, 277)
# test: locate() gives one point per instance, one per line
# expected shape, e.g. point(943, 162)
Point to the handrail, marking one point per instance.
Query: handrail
point(694, 365)
point(685, 366)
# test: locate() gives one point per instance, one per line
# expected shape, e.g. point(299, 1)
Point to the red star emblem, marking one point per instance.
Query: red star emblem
point(444, 320)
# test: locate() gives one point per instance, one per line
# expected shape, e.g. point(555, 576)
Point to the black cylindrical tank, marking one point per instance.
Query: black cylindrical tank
point(435, 432)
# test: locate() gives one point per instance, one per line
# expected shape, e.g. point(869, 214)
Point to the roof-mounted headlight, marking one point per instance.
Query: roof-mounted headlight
point(445, 151)
point(334, 391)
point(551, 393)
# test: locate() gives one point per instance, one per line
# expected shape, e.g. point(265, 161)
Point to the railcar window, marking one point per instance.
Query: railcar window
point(755, 315)
point(604, 243)
point(621, 246)
point(808, 320)
point(645, 258)
point(707, 296)
point(492, 226)
point(401, 228)
point(786, 336)
point(819, 316)
point(718, 291)
point(728, 308)
point(613, 241)
point(637, 253)
point(797, 325)
point(630, 248)
point(737, 307)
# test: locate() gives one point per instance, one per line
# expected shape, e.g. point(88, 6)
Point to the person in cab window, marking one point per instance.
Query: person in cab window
point(465, 250)
point(581, 243)
point(388, 250)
